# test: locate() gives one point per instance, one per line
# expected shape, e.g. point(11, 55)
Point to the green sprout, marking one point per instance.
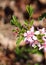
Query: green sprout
point(15, 22)
point(30, 10)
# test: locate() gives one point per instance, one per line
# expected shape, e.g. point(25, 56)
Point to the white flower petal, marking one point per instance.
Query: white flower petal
point(41, 47)
point(44, 49)
point(34, 37)
point(28, 32)
point(25, 34)
point(30, 40)
point(32, 29)
point(43, 30)
point(25, 39)
point(44, 38)
point(37, 33)
point(33, 45)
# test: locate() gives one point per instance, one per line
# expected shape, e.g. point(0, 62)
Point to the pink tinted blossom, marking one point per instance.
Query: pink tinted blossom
point(44, 44)
point(32, 29)
point(29, 34)
point(28, 39)
point(31, 37)
point(36, 43)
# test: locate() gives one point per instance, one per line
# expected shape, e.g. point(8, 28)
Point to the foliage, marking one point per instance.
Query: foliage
point(28, 24)
point(20, 38)
point(29, 10)
point(22, 52)
point(40, 38)
point(15, 22)
point(36, 64)
point(42, 16)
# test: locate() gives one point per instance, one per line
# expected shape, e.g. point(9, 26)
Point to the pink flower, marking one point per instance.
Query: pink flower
point(36, 43)
point(29, 33)
point(32, 29)
point(43, 46)
point(28, 36)
point(28, 39)
point(31, 37)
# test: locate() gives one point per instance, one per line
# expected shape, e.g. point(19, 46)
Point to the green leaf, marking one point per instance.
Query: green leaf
point(30, 10)
point(35, 46)
point(40, 38)
point(37, 64)
point(17, 51)
point(31, 22)
point(26, 22)
point(34, 51)
point(19, 39)
point(22, 31)
point(28, 64)
point(15, 22)
point(42, 16)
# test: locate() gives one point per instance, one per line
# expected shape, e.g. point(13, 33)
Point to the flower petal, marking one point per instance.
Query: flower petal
point(32, 29)
point(25, 34)
point(37, 33)
point(44, 38)
point(33, 45)
point(34, 37)
point(41, 47)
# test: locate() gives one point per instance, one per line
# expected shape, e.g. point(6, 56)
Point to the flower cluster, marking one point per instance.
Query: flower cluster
point(32, 38)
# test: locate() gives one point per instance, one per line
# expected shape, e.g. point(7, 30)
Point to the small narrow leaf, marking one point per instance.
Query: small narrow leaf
point(31, 22)
point(15, 22)
point(19, 39)
point(30, 10)
point(26, 23)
